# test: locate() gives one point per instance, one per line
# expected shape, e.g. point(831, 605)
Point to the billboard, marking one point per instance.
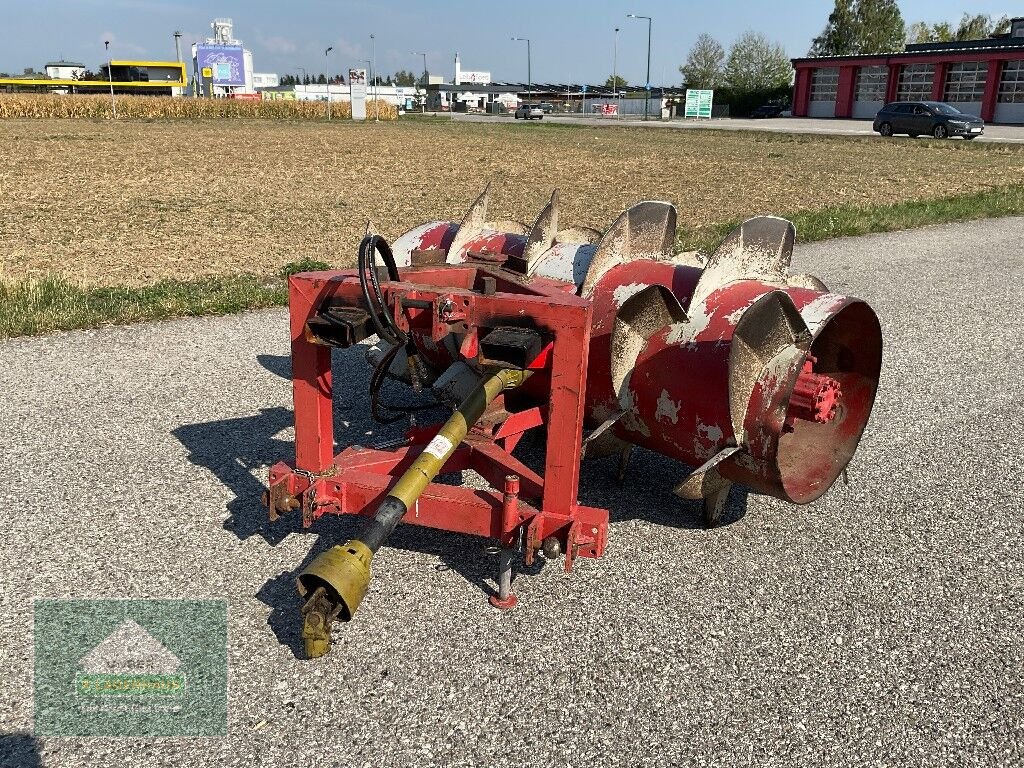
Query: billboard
point(357, 86)
point(227, 62)
point(474, 78)
point(698, 103)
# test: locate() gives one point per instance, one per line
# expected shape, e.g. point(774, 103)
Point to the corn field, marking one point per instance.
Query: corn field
point(45, 106)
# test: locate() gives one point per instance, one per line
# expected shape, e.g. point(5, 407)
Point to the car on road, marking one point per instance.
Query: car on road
point(767, 110)
point(931, 118)
point(547, 106)
point(530, 112)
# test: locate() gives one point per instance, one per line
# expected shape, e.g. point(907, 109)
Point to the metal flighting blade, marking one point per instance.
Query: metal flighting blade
point(603, 441)
point(542, 235)
point(640, 317)
point(759, 249)
point(804, 280)
point(705, 481)
point(473, 223)
point(645, 231)
point(767, 328)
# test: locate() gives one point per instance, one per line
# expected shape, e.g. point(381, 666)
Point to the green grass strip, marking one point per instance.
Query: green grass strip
point(850, 221)
point(31, 307)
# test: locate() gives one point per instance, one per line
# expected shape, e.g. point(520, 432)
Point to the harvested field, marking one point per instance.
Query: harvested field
point(130, 203)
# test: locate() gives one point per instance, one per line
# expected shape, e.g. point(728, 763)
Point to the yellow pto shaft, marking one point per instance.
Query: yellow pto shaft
point(335, 583)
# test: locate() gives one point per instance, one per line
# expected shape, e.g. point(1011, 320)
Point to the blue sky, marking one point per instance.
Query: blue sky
point(570, 40)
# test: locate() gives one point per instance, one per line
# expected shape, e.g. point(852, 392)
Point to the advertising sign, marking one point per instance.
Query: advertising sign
point(698, 103)
point(609, 110)
point(475, 78)
point(357, 84)
point(226, 62)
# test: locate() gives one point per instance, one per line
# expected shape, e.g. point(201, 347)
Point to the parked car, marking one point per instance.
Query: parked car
point(932, 118)
point(529, 112)
point(547, 106)
point(768, 110)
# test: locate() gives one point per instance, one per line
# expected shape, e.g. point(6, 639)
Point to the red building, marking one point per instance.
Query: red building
point(980, 77)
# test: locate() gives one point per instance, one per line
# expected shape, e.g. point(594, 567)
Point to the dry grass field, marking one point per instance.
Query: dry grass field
point(130, 203)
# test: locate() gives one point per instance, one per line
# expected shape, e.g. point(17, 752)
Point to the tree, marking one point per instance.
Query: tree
point(881, 27)
point(705, 64)
point(404, 78)
point(757, 64)
point(841, 36)
point(920, 32)
point(321, 79)
point(616, 81)
point(978, 27)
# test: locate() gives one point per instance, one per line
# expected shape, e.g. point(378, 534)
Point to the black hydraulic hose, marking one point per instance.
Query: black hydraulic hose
point(387, 329)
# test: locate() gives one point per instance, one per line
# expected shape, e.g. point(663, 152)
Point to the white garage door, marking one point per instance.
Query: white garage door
point(866, 110)
point(821, 109)
point(1009, 113)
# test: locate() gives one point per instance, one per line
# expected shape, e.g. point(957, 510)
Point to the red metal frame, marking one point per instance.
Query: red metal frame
point(355, 480)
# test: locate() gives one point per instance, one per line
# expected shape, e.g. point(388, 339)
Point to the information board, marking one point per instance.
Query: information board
point(357, 86)
point(698, 103)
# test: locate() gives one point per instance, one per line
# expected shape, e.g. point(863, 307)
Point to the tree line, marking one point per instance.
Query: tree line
point(401, 77)
point(756, 70)
point(877, 26)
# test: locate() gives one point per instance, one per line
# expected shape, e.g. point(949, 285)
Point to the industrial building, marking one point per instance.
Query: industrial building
point(152, 78)
point(979, 77)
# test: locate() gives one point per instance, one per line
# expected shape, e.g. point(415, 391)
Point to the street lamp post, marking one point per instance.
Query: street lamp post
point(373, 77)
point(647, 86)
point(529, 73)
point(615, 72)
point(304, 75)
point(110, 78)
point(328, 60)
point(426, 80)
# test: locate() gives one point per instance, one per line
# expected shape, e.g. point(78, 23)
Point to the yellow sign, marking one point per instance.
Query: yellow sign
point(207, 72)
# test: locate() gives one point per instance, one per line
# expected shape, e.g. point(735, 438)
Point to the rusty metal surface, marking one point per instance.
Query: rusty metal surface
point(729, 364)
point(645, 231)
point(759, 249)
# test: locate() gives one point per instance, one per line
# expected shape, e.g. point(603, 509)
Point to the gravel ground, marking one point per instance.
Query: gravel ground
point(881, 625)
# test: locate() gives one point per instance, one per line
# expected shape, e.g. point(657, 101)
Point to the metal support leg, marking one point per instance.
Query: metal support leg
point(504, 599)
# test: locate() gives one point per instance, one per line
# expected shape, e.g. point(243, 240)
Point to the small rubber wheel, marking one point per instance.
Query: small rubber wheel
point(885, 129)
point(940, 131)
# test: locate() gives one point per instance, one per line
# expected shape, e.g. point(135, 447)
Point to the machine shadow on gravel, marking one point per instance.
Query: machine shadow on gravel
point(19, 749)
point(238, 451)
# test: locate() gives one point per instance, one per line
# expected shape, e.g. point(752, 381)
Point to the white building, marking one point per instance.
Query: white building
point(265, 80)
point(64, 70)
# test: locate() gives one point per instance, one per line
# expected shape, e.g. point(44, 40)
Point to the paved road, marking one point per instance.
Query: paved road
point(996, 133)
point(881, 625)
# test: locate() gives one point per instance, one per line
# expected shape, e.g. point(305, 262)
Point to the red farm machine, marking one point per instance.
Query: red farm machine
point(729, 364)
